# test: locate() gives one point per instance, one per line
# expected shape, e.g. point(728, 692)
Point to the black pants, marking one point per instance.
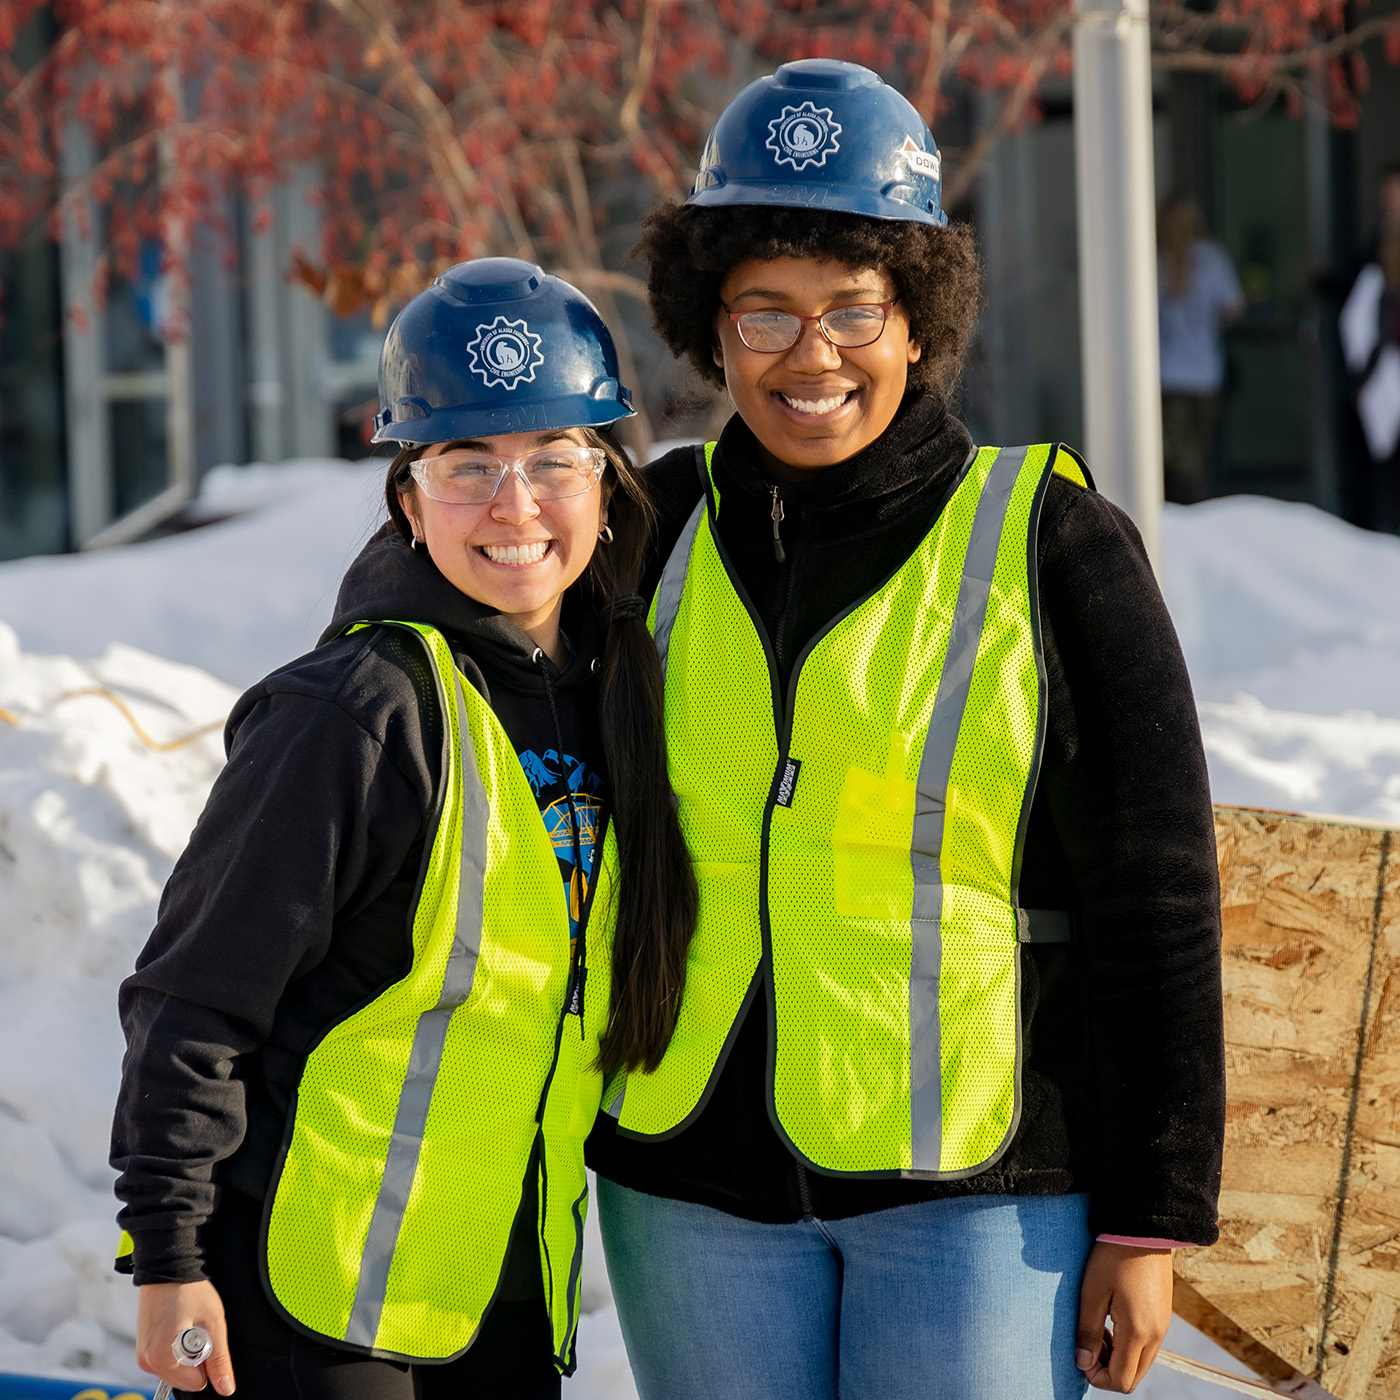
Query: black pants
point(1188, 435)
point(511, 1358)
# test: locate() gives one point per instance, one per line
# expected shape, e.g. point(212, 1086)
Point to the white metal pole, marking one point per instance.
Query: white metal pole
point(1117, 257)
point(91, 497)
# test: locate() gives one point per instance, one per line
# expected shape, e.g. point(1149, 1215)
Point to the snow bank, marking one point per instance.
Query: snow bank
point(1286, 616)
point(1289, 623)
point(92, 818)
point(237, 599)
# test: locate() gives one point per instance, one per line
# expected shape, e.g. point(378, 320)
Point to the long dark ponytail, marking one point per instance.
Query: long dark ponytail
point(657, 898)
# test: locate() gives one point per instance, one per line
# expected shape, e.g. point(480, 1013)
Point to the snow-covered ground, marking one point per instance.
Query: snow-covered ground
point(1289, 622)
point(1286, 616)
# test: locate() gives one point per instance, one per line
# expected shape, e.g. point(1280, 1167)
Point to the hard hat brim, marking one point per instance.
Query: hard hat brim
point(476, 421)
point(845, 199)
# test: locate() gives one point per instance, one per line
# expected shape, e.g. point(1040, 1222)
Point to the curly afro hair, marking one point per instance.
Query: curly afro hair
point(690, 250)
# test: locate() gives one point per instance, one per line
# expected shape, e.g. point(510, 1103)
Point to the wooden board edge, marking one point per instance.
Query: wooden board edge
point(1230, 1337)
point(1323, 818)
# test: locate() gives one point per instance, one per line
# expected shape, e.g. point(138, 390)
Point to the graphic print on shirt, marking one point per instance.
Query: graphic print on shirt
point(552, 777)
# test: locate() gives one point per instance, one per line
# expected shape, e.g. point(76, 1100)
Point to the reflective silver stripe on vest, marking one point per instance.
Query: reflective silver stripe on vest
point(672, 585)
point(614, 1109)
point(935, 769)
point(425, 1058)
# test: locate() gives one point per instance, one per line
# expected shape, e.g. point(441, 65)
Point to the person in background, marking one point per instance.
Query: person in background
point(1198, 299)
point(1370, 332)
point(370, 1029)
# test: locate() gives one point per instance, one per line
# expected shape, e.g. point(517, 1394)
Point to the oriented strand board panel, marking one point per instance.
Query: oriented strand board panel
point(1308, 1262)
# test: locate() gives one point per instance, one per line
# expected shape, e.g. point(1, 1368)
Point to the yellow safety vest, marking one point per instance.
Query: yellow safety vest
point(858, 838)
point(416, 1117)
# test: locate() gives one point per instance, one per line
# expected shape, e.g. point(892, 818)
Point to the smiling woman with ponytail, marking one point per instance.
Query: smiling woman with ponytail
point(370, 1031)
point(657, 897)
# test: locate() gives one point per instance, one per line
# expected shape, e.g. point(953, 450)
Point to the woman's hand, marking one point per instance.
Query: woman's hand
point(163, 1311)
point(1134, 1288)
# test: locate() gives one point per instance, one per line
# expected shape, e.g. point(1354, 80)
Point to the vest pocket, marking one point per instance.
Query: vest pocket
point(979, 1037)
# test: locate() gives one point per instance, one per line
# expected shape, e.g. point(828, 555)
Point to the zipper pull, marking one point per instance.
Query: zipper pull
point(576, 997)
point(779, 553)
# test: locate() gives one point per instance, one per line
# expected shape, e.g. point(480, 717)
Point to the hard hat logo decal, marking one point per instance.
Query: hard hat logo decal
point(920, 161)
point(505, 353)
point(803, 136)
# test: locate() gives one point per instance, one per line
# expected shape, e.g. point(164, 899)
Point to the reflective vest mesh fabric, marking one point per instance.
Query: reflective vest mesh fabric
point(886, 878)
point(415, 1117)
point(722, 824)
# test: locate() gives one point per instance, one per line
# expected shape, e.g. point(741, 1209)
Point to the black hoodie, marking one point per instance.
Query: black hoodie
point(1123, 1090)
point(292, 904)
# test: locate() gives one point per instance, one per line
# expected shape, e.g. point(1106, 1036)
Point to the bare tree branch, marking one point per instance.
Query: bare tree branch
point(460, 185)
point(1206, 61)
point(641, 76)
point(588, 240)
point(1011, 111)
point(926, 100)
point(603, 279)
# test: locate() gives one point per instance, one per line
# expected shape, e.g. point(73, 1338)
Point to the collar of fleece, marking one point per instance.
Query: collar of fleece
point(914, 459)
point(390, 580)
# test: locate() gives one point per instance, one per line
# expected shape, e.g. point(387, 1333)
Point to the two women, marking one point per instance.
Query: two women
point(942, 1075)
point(947, 1081)
point(370, 1031)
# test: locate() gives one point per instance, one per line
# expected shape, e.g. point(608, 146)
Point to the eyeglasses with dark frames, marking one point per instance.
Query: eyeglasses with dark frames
point(770, 332)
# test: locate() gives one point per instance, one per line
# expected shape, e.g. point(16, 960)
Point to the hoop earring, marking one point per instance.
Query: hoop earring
point(606, 534)
point(416, 544)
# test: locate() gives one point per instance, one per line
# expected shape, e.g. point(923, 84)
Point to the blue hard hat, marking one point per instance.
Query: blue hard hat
point(496, 345)
point(823, 134)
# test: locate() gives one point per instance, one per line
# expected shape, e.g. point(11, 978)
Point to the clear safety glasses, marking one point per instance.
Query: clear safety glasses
point(467, 478)
point(849, 327)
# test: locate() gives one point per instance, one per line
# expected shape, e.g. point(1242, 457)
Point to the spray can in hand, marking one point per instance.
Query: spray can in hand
point(193, 1347)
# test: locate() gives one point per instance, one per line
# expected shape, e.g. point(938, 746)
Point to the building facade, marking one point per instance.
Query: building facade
point(1293, 201)
point(112, 408)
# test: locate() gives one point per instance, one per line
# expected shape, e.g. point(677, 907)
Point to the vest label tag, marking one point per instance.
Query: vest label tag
point(787, 780)
point(575, 1007)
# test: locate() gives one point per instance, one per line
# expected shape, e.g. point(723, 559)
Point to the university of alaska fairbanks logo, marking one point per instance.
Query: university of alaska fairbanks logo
point(505, 353)
point(803, 136)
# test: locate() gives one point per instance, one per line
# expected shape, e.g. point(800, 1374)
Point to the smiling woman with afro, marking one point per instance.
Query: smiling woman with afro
point(947, 1082)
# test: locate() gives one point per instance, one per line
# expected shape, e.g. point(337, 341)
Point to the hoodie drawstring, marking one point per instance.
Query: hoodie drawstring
point(580, 968)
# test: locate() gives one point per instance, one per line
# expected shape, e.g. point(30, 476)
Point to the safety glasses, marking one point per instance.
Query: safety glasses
point(466, 478)
point(848, 327)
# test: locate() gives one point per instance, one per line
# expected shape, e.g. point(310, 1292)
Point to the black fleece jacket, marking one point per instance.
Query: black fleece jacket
point(1123, 1091)
point(291, 906)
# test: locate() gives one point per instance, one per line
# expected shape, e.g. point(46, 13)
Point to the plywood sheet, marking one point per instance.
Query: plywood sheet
point(1308, 1263)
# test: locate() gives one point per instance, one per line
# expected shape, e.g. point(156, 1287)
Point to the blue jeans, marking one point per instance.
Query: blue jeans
point(970, 1298)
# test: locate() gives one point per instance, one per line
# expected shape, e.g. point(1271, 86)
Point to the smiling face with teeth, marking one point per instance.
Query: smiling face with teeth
point(513, 553)
point(816, 404)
